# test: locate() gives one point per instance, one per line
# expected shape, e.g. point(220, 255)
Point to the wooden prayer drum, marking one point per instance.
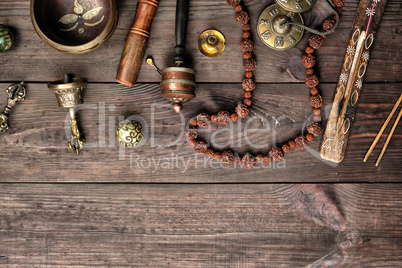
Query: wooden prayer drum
point(178, 85)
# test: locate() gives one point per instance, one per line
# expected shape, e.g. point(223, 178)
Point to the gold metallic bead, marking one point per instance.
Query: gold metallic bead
point(129, 133)
point(211, 43)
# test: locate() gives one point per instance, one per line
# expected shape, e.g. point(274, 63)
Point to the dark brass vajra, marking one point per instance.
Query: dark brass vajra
point(16, 92)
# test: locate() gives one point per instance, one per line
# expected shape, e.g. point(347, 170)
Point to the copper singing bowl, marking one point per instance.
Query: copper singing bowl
point(74, 26)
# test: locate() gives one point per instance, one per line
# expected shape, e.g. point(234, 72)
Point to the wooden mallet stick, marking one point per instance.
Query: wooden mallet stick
point(382, 129)
point(389, 138)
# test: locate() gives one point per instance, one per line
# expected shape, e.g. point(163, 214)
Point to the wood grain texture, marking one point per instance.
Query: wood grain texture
point(195, 226)
point(36, 143)
point(32, 60)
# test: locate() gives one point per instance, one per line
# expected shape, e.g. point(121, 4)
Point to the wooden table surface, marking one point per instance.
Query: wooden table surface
point(160, 205)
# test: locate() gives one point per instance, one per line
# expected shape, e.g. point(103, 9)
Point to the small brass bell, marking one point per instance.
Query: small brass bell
point(211, 43)
point(69, 95)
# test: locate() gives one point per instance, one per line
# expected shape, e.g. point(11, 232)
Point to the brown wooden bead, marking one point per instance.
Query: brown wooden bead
point(247, 55)
point(309, 50)
point(276, 154)
point(247, 94)
point(316, 41)
point(316, 101)
point(246, 34)
point(292, 144)
point(314, 91)
point(309, 137)
point(338, 3)
point(248, 84)
point(214, 118)
point(316, 111)
point(309, 71)
point(311, 80)
point(232, 3)
point(246, 27)
point(217, 155)
point(190, 133)
point(301, 142)
point(246, 45)
point(285, 148)
point(249, 65)
point(308, 60)
point(228, 158)
point(247, 102)
point(234, 117)
point(193, 122)
point(248, 161)
point(238, 160)
point(223, 117)
point(315, 129)
point(192, 142)
point(210, 153)
point(317, 118)
point(203, 120)
point(267, 159)
point(328, 24)
point(259, 158)
point(242, 110)
point(200, 147)
point(242, 18)
point(249, 74)
point(238, 8)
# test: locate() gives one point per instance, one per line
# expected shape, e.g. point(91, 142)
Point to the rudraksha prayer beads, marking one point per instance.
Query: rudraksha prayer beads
point(314, 129)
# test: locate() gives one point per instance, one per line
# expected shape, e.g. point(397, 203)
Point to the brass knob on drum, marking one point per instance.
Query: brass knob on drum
point(211, 43)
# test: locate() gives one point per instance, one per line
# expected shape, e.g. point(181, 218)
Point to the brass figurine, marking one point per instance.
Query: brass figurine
point(211, 43)
point(69, 95)
point(16, 92)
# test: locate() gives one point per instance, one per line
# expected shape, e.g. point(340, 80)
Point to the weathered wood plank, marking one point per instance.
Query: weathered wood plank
point(32, 60)
point(36, 144)
point(196, 226)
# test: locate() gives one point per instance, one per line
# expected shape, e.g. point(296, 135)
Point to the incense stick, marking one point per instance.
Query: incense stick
point(389, 137)
point(382, 129)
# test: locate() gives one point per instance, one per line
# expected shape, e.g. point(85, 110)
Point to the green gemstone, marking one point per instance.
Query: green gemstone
point(6, 38)
point(129, 133)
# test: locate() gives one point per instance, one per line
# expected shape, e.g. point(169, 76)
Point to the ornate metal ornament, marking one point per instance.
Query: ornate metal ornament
point(74, 26)
point(16, 92)
point(69, 95)
point(211, 43)
point(6, 38)
point(296, 6)
point(273, 31)
point(129, 133)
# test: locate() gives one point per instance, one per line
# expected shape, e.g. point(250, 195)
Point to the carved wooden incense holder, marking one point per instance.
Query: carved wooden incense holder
point(357, 56)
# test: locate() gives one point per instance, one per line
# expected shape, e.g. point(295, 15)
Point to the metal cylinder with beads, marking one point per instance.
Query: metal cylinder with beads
point(178, 82)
